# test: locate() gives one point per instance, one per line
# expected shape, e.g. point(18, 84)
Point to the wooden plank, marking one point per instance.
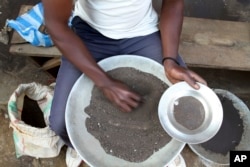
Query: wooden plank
point(215, 43)
point(39, 66)
point(51, 63)
point(21, 47)
point(29, 50)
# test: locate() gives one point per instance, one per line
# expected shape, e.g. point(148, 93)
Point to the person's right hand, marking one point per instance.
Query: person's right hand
point(176, 73)
point(121, 96)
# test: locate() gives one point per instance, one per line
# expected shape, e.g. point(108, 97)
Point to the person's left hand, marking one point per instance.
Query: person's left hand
point(176, 73)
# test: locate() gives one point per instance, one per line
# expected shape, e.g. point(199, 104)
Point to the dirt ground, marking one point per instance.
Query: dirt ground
point(15, 70)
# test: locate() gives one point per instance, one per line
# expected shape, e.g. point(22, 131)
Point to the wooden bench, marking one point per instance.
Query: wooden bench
point(204, 43)
point(216, 44)
point(20, 47)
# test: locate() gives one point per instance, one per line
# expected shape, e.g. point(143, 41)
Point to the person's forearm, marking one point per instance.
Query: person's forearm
point(171, 19)
point(76, 52)
point(70, 45)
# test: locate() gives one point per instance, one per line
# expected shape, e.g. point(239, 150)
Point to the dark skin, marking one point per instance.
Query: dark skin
point(170, 27)
point(57, 13)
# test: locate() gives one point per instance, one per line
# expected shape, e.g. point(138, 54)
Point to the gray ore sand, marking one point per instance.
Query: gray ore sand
point(133, 136)
point(189, 112)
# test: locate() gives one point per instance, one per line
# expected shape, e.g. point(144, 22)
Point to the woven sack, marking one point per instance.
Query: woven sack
point(29, 140)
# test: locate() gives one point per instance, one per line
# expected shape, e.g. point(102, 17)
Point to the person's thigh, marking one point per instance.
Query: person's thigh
point(148, 46)
point(99, 46)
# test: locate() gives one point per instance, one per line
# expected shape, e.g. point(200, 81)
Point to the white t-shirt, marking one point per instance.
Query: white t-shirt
point(119, 18)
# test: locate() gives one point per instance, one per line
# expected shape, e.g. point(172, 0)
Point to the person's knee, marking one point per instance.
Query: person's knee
point(58, 126)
